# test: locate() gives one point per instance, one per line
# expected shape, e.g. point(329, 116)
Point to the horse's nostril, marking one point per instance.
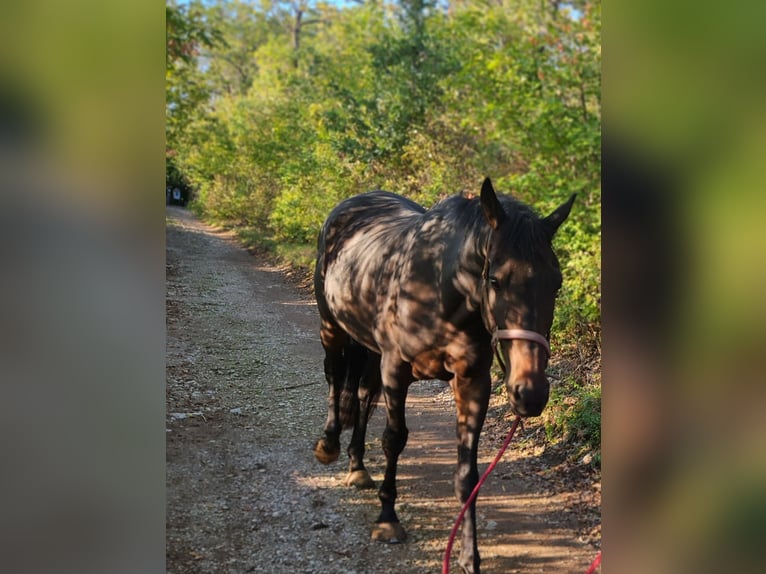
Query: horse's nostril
point(528, 399)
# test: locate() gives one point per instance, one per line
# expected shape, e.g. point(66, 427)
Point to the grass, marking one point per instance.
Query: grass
point(573, 416)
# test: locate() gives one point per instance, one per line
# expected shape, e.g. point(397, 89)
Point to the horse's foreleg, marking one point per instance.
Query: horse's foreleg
point(369, 390)
point(396, 380)
point(472, 399)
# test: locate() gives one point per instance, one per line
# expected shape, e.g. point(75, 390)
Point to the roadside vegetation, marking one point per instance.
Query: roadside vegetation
point(277, 110)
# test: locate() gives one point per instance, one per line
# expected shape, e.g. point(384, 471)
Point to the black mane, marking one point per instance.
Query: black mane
point(523, 227)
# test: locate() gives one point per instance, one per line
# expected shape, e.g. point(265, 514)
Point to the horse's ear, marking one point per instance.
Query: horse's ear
point(555, 219)
point(493, 211)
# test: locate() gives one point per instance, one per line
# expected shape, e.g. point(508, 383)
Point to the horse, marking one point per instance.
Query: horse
point(406, 294)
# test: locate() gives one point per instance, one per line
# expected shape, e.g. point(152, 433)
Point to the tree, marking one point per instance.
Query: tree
point(276, 110)
point(186, 92)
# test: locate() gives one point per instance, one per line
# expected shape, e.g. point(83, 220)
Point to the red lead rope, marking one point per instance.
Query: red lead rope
point(451, 541)
point(474, 494)
point(595, 564)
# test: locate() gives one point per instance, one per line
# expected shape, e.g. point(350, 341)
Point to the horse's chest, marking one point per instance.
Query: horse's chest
point(430, 365)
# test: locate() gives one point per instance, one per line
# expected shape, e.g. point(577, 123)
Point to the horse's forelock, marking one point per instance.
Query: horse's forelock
point(523, 229)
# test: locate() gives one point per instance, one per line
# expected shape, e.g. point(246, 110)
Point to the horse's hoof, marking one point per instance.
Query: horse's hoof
point(360, 479)
point(469, 569)
point(325, 454)
point(389, 532)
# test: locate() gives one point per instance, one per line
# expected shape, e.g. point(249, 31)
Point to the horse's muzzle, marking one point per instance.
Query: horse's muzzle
point(528, 395)
point(529, 388)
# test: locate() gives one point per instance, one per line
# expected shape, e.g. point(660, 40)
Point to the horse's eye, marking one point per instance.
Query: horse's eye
point(494, 282)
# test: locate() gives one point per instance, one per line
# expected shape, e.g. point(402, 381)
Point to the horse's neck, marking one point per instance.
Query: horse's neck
point(467, 262)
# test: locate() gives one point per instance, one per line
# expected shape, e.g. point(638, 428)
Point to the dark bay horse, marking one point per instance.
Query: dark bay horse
point(407, 294)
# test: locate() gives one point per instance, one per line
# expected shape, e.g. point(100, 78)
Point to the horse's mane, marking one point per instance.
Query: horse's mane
point(523, 227)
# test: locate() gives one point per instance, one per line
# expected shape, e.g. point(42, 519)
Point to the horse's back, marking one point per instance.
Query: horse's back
point(358, 249)
point(365, 220)
point(371, 208)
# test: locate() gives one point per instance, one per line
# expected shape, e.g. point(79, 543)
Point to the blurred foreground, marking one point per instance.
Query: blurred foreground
point(81, 173)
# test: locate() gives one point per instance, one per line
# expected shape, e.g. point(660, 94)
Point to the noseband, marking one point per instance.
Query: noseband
point(534, 336)
point(499, 334)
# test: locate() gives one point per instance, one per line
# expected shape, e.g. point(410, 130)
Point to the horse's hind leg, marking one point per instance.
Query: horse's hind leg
point(369, 390)
point(327, 448)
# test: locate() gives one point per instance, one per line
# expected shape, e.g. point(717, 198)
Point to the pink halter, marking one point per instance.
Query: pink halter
point(521, 334)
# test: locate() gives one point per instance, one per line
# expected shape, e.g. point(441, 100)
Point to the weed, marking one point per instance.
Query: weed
point(574, 416)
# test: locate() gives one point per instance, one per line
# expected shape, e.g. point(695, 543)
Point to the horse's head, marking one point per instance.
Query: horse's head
point(521, 279)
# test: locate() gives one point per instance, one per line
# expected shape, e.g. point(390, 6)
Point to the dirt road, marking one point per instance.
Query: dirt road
point(245, 402)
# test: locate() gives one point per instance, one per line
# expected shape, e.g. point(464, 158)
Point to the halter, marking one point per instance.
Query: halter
point(500, 334)
point(505, 334)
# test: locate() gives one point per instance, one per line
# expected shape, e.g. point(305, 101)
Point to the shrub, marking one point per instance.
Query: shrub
point(574, 416)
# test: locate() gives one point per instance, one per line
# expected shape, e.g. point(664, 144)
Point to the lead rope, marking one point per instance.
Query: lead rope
point(451, 541)
point(594, 565)
point(501, 452)
point(475, 493)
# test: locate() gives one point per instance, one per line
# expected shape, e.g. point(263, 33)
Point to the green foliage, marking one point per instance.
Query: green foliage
point(574, 415)
point(278, 110)
point(298, 213)
point(186, 93)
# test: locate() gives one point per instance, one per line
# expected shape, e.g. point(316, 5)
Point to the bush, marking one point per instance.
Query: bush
point(299, 211)
point(411, 99)
point(574, 416)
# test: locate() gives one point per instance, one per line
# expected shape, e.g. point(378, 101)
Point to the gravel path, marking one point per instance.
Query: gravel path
point(245, 402)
